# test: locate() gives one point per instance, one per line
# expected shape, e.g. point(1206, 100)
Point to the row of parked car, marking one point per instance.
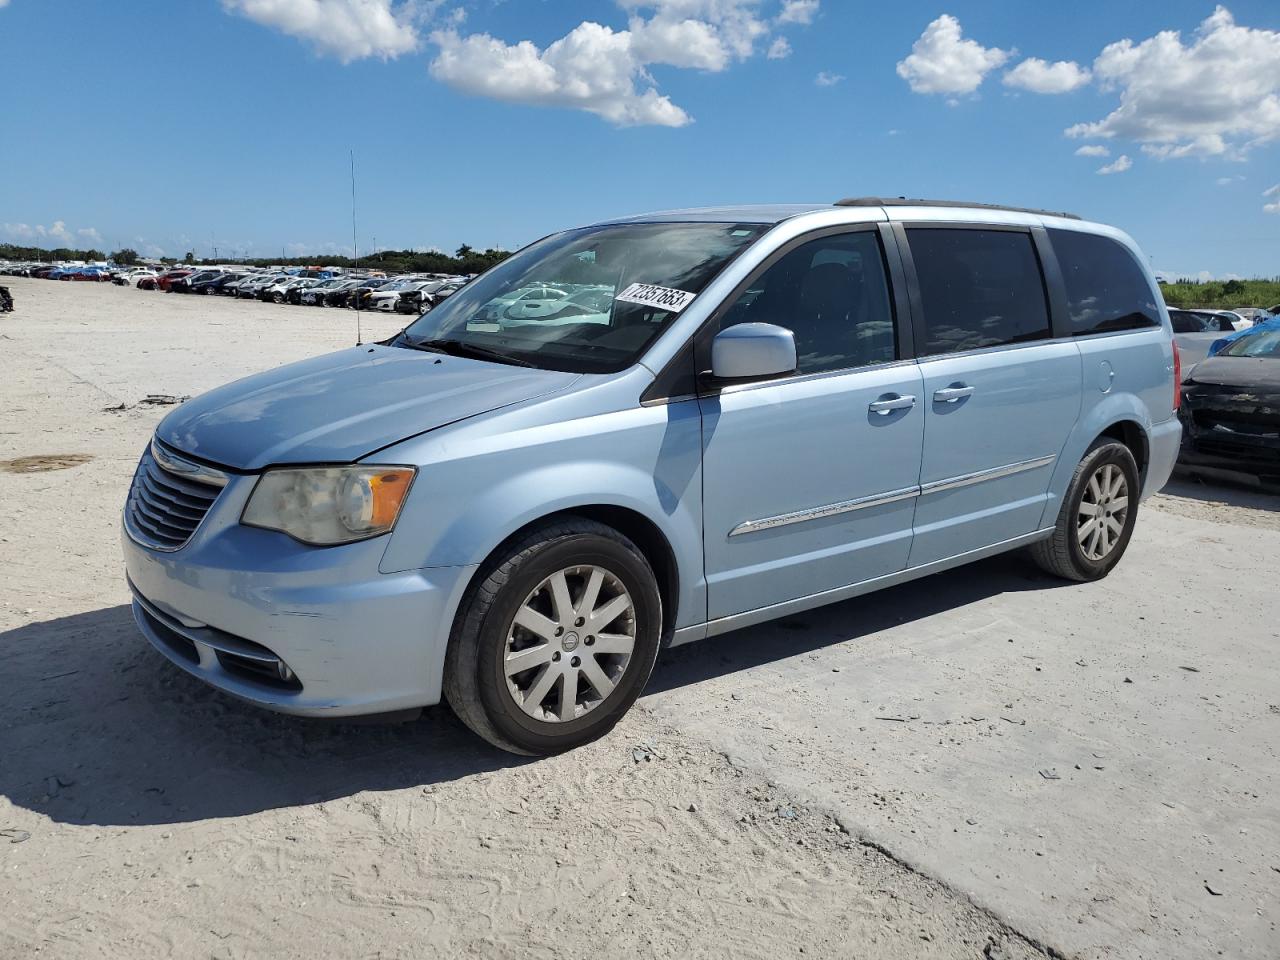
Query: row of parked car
point(321, 287)
point(408, 293)
point(1219, 321)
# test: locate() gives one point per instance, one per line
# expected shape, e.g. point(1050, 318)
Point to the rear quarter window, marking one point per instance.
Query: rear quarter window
point(1106, 289)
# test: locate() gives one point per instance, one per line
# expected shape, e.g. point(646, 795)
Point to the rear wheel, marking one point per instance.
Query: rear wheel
point(557, 639)
point(1097, 516)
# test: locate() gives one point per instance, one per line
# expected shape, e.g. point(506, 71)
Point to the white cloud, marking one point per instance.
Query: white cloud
point(592, 69)
point(604, 71)
point(1227, 181)
point(825, 79)
point(1272, 193)
point(1219, 95)
point(1093, 150)
point(798, 11)
point(346, 29)
point(943, 61)
point(4, 3)
point(735, 24)
point(1119, 165)
point(679, 43)
point(1040, 76)
point(56, 234)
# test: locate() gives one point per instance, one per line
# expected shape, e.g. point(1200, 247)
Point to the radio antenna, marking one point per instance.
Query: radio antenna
point(355, 256)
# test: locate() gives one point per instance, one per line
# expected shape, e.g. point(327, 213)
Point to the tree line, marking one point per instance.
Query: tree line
point(1223, 294)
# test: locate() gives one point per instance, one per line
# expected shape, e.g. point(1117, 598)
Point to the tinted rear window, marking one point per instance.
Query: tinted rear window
point(981, 288)
point(1106, 289)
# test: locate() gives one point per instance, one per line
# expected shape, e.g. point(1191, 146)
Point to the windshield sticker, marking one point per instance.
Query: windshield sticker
point(664, 298)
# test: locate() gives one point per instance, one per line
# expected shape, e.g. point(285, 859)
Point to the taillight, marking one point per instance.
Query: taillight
point(1177, 376)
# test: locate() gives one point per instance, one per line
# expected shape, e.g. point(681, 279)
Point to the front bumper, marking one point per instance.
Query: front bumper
point(1219, 447)
point(235, 601)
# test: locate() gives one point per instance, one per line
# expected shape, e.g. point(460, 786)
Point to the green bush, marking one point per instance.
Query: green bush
point(1222, 295)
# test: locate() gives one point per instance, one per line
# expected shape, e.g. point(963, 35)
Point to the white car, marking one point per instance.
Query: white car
point(386, 296)
point(315, 294)
point(1237, 320)
point(253, 287)
point(130, 277)
point(275, 292)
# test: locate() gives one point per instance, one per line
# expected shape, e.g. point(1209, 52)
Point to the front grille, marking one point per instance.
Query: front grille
point(165, 507)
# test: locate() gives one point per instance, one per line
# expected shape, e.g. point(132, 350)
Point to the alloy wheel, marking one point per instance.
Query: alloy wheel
point(1103, 510)
point(569, 643)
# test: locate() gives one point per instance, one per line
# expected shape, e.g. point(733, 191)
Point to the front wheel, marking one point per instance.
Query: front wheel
point(1097, 516)
point(556, 640)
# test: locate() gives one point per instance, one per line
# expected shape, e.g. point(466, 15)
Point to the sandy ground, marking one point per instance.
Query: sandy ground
point(983, 763)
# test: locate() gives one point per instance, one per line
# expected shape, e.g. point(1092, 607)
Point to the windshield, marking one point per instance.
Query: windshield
point(589, 300)
point(1264, 343)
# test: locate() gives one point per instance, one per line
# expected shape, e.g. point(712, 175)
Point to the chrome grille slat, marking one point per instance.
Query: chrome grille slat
point(183, 487)
point(165, 501)
point(164, 508)
point(157, 524)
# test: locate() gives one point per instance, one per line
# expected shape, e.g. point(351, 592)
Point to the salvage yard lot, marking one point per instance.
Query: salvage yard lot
point(988, 759)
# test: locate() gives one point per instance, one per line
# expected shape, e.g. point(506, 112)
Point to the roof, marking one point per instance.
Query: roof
point(907, 202)
point(746, 213)
point(777, 212)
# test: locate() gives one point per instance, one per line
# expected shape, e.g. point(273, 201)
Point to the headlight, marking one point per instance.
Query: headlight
point(329, 505)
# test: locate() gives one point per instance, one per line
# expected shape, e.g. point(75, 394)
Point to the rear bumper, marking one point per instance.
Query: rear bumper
point(231, 605)
point(1164, 441)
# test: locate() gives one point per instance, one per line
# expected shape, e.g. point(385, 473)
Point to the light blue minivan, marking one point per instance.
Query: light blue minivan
point(646, 432)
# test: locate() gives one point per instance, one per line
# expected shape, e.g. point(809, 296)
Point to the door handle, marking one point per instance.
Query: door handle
point(891, 403)
point(952, 394)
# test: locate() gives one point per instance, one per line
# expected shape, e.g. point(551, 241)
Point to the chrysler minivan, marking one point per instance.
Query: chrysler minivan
point(711, 419)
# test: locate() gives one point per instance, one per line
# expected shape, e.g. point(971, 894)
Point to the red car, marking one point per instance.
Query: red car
point(165, 280)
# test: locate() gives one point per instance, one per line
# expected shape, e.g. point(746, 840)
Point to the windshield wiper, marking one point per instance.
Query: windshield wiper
point(460, 348)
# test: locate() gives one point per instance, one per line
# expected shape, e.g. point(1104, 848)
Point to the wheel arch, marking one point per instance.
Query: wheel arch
point(634, 525)
point(1133, 436)
point(1120, 416)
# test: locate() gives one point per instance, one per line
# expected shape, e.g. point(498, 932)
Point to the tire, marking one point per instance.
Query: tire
point(1078, 550)
point(522, 578)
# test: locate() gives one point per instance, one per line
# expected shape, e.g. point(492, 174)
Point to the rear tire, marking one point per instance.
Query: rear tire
point(535, 601)
point(1097, 516)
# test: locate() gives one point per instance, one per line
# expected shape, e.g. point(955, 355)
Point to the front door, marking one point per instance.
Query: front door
point(810, 481)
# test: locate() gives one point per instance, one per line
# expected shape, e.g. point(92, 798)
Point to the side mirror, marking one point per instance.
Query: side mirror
point(753, 351)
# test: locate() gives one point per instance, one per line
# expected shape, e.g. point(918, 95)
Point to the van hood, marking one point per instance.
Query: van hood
point(340, 407)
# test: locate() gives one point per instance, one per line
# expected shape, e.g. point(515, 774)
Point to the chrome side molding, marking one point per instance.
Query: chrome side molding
point(891, 496)
point(980, 476)
point(830, 510)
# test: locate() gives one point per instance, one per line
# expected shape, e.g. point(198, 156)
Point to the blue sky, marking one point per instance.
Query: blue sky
point(170, 126)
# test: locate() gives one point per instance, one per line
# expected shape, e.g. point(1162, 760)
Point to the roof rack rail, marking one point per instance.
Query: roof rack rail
point(907, 202)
